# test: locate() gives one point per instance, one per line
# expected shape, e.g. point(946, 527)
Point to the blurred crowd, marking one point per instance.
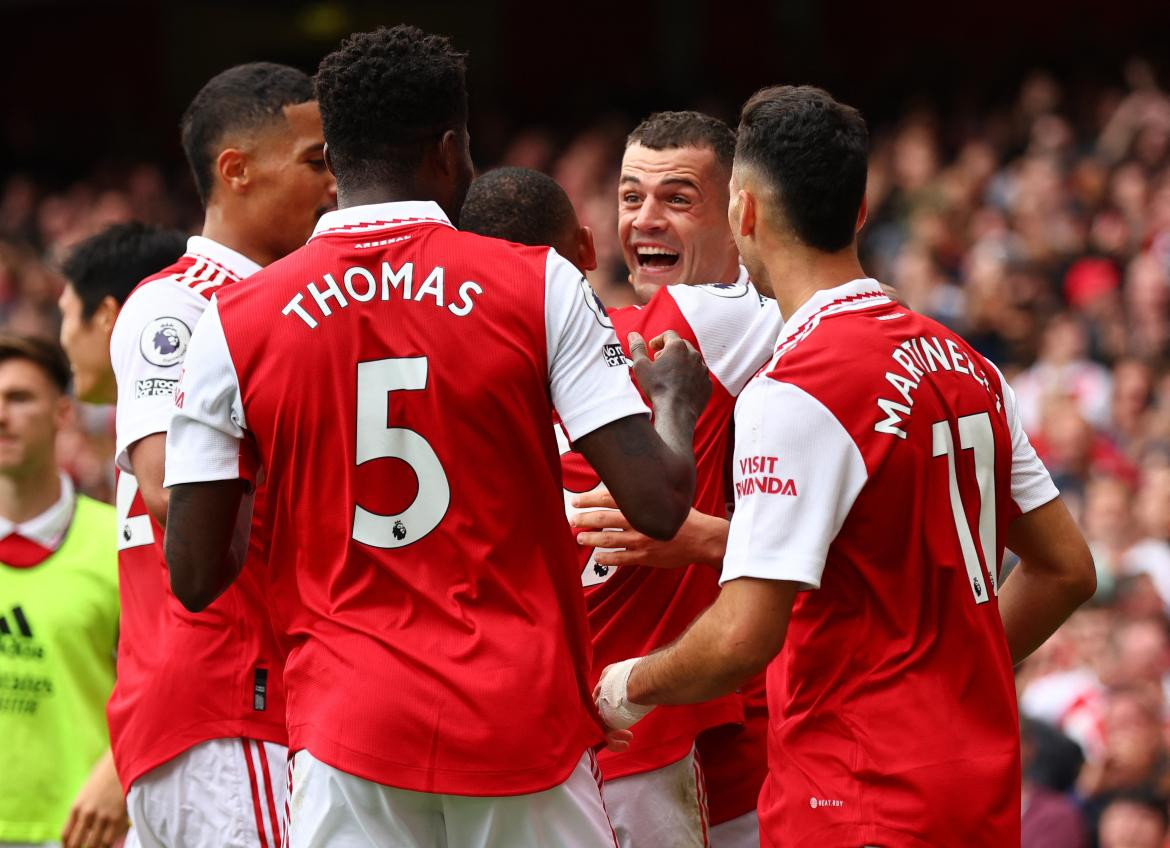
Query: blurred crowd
point(1040, 231)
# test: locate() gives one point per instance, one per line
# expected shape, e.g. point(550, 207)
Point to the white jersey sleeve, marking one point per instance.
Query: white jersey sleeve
point(147, 348)
point(1032, 485)
point(797, 473)
point(736, 328)
point(208, 425)
point(588, 375)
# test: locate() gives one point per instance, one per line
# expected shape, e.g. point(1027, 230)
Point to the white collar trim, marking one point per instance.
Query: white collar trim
point(381, 216)
point(48, 528)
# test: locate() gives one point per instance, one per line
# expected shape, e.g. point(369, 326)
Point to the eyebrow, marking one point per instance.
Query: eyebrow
point(683, 181)
point(312, 148)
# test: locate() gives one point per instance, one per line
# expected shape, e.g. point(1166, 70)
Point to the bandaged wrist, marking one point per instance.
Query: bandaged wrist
point(617, 711)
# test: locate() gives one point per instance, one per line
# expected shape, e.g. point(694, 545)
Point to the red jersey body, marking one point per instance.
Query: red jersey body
point(183, 678)
point(879, 461)
point(635, 610)
point(395, 378)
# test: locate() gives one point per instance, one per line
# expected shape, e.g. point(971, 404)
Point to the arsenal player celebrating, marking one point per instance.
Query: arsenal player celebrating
point(880, 467)
point(396, 379)
point(197, 715)
point(672, 197)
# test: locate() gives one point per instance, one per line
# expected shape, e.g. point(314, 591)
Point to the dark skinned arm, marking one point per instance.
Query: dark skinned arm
point(206, 539)
point(1054, 577)
point(650, 468)
point(148, 460)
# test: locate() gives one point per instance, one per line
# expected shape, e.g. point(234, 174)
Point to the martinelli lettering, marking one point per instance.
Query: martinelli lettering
point(916, 359)
point(361, 285)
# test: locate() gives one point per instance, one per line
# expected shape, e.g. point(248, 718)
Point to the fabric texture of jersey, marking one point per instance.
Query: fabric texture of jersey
point(423, 584)
point(227, 681)
point(633, 611)
point(878, 462)
point(58, 630)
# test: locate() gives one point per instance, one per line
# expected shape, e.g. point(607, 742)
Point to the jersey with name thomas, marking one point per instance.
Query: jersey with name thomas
point(635, 610)
point(392, 377)
point(879, 461)
point(183, 678)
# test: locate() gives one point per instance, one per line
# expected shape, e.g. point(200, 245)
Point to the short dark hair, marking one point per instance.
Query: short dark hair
point(241, 98)
point(45, 354)
point(113, 262)
point(517, 204)
point(385, 96)
point(670, 130)
point(1147, 798)
point(813, 150)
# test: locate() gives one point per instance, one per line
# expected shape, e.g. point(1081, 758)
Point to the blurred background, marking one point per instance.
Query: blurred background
point(1019, 192)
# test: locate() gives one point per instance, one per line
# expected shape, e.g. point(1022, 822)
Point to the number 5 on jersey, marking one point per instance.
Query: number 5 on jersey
point(975, 434)
point(375, 440)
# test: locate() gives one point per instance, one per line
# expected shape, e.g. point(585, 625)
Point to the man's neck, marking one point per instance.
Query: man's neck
point(27, 493)
point(796, 275)
point(371, 195)
point(219, 227)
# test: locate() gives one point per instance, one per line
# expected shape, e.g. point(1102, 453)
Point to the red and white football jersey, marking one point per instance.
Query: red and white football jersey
point(396, 378)
point(183, 678)
point(635, 610)
point(879, 461)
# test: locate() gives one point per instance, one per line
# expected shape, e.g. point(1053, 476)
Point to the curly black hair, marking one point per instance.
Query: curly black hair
point(113, 262)
point(241, 98)
point(670, 130)
point(385, 96)
point(814, 152)
point(517, 204)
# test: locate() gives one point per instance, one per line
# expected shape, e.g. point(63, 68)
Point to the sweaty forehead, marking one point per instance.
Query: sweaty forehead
point(652, 167)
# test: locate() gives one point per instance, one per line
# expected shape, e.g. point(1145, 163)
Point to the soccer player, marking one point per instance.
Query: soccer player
point(197, 715)
point(58, 620)
point(672, 197)
point(527, 207)
point(99, 274)
point(396, 378)
point(880, 468)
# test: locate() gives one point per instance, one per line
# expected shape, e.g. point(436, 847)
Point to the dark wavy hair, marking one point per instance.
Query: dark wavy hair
point(813, 150)
point(241, 98)
point(387, 95)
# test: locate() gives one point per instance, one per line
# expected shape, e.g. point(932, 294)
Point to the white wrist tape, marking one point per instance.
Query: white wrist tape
point(616, 710)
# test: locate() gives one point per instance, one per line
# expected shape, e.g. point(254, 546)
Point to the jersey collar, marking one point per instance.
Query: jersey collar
point(236, 264)
point(854, 295)
point(50, 526)
point(380, 216)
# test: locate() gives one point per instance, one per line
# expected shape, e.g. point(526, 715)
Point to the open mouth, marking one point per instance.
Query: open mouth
point(656, 257)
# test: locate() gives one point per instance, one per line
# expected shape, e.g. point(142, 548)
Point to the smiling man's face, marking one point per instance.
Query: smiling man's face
point(672, 218)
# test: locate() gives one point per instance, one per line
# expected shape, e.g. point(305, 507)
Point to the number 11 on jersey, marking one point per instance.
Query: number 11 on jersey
point(975, 434)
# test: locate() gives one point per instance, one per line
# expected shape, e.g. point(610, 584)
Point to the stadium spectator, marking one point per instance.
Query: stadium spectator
point(58, 619)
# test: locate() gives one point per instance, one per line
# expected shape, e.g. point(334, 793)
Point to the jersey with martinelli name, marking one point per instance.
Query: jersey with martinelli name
point(879, 461)
point(396, 378)
point(634, 610)
point(183, 678)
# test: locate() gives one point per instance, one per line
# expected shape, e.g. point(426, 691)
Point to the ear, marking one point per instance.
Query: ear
point(231, 166)
point(328, 160)
point(106, 314)
point(450, 153)
point(64, 413)
point(586, 250)
point(862, 213)
point(748, 211)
